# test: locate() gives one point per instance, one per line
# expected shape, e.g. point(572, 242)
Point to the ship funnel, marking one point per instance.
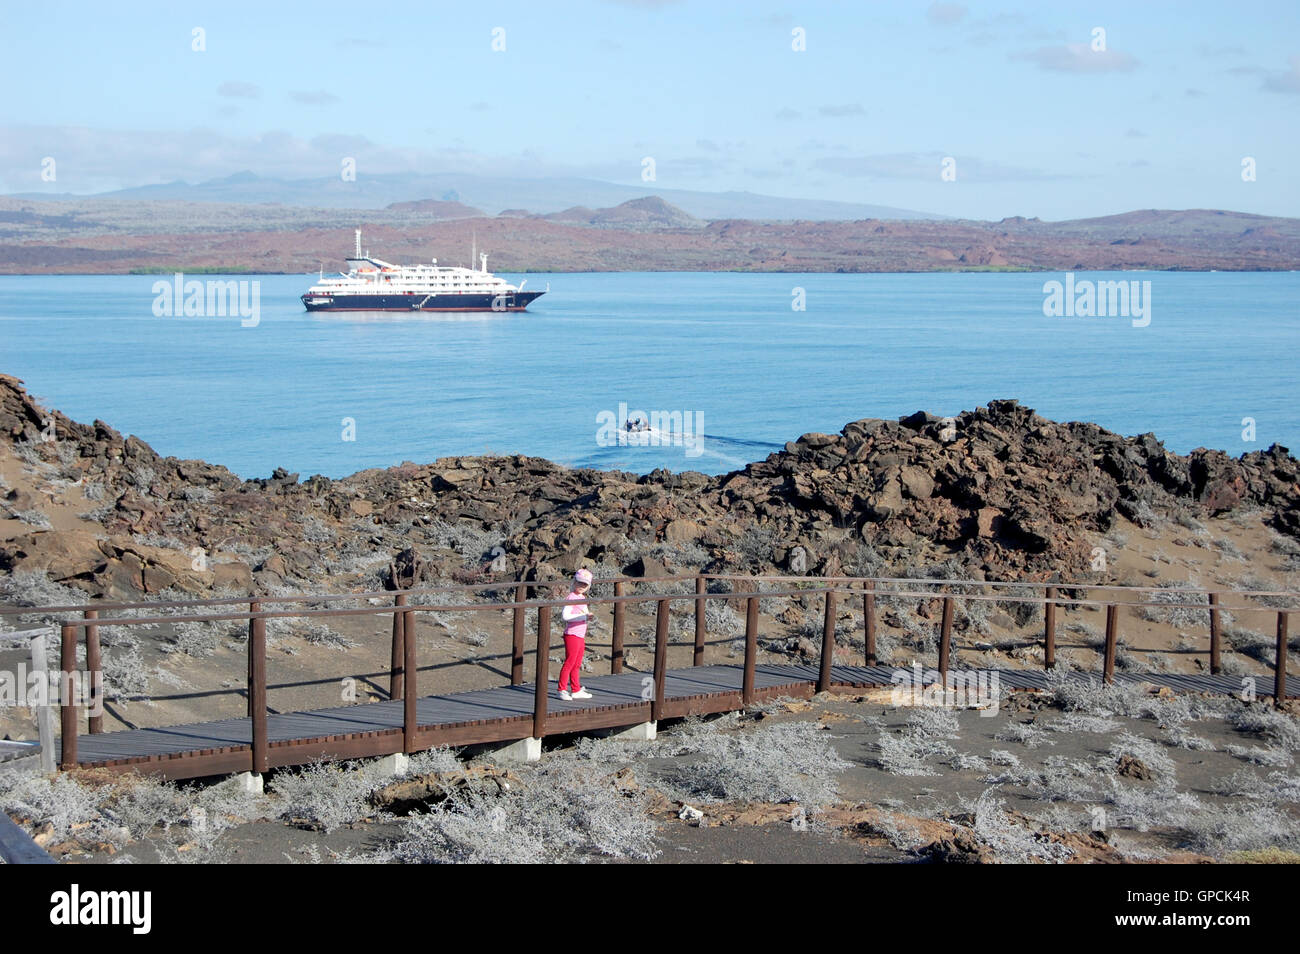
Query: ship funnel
point(358, 255)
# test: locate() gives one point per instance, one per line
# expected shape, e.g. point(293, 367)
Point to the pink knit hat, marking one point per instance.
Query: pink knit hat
point(582, 576)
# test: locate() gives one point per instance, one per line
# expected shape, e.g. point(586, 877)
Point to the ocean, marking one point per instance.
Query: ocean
point(730, 353)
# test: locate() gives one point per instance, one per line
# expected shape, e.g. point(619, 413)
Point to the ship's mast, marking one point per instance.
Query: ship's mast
point(358, 231)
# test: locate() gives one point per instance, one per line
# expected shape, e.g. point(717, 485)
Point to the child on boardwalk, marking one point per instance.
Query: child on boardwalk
point(576, 616)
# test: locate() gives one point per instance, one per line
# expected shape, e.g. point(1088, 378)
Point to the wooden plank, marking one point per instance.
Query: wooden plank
point(257, 694)
point(504, 713)
point(519, 625)
point(1112, 640)
point(661, 657)
point(828, 643)
point(697, 659)
point(1049, 630)
point(17, 847)
point(45, 713)
point(751, 649)
point(1215, 636)
point(95, 668)
point(410, 674)
point(543, 671)
point(869, 623)
point(1279, 662)
point(397, 655)
point(69, 711)
point(309, 750)
point(616, 640)
point(945, 640)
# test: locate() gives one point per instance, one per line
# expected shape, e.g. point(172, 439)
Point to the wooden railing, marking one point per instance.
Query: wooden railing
point(403, 670)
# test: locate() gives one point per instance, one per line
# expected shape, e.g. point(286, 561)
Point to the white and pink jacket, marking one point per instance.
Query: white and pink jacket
point(575, 616)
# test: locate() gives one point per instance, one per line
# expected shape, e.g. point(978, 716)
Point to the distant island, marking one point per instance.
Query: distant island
point(130, 235)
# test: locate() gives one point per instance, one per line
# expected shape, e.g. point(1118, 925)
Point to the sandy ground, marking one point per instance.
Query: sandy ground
point(1160, 786)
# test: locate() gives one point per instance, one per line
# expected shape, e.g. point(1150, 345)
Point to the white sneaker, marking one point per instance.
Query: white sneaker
point(582, 694)
point(566, 695)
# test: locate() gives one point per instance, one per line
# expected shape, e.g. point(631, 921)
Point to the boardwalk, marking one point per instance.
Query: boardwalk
point(506, 714)
point(414, 719)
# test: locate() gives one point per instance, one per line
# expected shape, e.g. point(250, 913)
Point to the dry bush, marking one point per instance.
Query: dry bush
point(560, 813)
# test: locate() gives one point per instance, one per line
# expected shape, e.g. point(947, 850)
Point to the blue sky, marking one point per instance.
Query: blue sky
point(1038, 122)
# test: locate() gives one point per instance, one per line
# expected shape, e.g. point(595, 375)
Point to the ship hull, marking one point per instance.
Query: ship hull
point(511, 301)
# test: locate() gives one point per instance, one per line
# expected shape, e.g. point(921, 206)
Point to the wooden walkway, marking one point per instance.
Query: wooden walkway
point(506, 714)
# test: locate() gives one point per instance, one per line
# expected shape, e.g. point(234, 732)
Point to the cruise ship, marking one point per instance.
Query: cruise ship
point(372, 284)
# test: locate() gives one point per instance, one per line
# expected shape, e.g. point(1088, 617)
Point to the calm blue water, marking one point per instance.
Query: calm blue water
point(1220, 347)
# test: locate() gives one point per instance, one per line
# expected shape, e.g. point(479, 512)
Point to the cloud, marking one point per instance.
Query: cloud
point(340, 143)
point(1285, 81)
point(1213, 51)
point(237, 90)
point(1077, 58)
point(848, 109)
point(1135, 134)
point(999, 21)
point(927, 166)
point(945, 14)
point(788, 113)
point(1193, 93)
point(706, 144)
point(316, 97)
point(105, 159)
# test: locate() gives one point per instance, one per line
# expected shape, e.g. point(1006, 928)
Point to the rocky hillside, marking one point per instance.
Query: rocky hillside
point(643, 214)
point(998, 492)
point(438, 209)
point(645, 234)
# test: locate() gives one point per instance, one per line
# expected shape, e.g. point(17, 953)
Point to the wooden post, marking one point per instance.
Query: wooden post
point(751, 650)
point(543, 670)
point(616, 640)
point(1112, 640)
point(69, 711)
point(1215, 635)
point(1049, 629)
point(517, 643)
point(95, 669)
point(1279, 665)
point(700, 628)
point(397, 659)
point(410, 688)
point(254, 606)
point(45, 713)
point(828, 643)
point(661, 659)
point(945, 641)
point(869, 623)
point(257, 691)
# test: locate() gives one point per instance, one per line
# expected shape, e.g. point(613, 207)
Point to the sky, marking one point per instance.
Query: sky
point(1039, 113)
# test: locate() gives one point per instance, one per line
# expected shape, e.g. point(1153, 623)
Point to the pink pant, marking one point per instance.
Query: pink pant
point(571, 671)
